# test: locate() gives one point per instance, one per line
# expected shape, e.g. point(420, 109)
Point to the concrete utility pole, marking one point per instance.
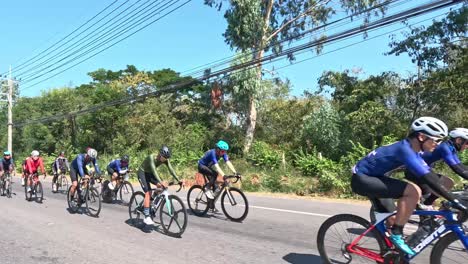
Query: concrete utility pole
point(10, 114)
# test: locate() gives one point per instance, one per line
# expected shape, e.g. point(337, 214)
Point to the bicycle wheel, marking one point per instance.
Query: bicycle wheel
point(38, 192)
point(93, 201)
point(173, 216)
point(339, 231)
point(72, 201)
point(135, 208)
point(62, 183)
point(234, 204)
point(197, 200)
point(125, 192)
point(449, 250)
point(26, 193)
point(9, 188)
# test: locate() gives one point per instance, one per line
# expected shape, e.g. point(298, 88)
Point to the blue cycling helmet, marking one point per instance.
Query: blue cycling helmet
point(222, 145)
point(6, 153)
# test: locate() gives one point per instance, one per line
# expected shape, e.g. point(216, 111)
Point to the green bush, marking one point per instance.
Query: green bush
point(264, 155)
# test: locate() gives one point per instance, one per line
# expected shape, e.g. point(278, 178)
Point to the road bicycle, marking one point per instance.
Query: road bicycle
point(33, 188)
point(87, 194)
point(122, 192)
point(233, 201)
point(61, 183)
point(347, 238)
point(172, 212)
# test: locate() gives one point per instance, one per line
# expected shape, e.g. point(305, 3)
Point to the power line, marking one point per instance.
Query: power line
point(56, 43)
point(248, 65)
point(89, 40)
point(106, 48)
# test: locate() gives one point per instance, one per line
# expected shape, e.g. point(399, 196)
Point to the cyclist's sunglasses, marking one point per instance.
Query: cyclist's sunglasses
point(436, 140)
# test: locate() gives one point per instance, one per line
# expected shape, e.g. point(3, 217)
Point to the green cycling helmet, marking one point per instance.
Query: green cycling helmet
point(6, 153)
point(222, 145)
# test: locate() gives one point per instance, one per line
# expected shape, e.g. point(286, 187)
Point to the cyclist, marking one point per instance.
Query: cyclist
point(446, 151)
point(147, 174)
point(369, 174)
point(7, 164)
point(59, 166)
point(33, 163)
point(208, 165)
point(116, 168)
point(82, 166)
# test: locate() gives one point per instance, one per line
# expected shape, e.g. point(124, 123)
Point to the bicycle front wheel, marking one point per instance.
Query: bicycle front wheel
point(173, 216)
point(338, 232)
point(234, 204)
point(28, 194)
point(135, 209)
point(93, 202)
point(9, 188)
point(38, 192)
point(72, 201)
point(125, 192)
point(449, 250)
point(197, 200)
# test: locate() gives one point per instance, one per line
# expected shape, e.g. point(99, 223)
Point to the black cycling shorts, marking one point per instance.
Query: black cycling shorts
point(381, 190)
point(73, 174)
point(145, 179)
point(111, 171)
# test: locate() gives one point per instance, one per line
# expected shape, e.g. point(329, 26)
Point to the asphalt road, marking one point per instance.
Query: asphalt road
point(277, 230)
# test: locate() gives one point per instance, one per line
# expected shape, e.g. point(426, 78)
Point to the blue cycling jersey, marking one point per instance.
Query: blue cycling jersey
point(210, 158)
point(445, 151)
point(385, 159)
point(78, 164)
point(116, 165)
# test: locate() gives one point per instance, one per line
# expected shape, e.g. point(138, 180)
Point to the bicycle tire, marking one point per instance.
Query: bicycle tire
point(93, 201)
point(445, 243)
point(341, 245)
point(2, 187)
point(232, 190)
point(135, 208)
point(62, 183)
point(9, 188)
point(177, 211)
point(38, 192)
point(72, 205)
point(125, 189)
point(198, 204)
point(27, 194)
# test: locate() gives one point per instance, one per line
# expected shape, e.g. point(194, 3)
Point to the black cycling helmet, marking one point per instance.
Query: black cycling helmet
point(165, 152)
point(125, 158)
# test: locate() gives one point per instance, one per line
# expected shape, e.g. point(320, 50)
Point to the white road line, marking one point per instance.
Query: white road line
point(289, 211)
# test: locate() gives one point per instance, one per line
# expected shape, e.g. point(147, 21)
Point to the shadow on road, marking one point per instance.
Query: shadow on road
point(299, 258)
point(140, 225)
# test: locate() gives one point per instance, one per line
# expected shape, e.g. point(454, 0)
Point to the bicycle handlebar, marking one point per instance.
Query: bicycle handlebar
point(238, 177)
point(178, 183)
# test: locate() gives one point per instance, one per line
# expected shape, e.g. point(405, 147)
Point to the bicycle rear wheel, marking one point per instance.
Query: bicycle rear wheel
point(72, 201)
point(234, 204)
point(449, 250)
point(2, 188)
point(125, 192)
point(135, 208)
point(173, 216)
point(62, 183)
point(9, 188)
point(93, 202)
point(197, 200)
point(38, 192)
point(339, 231)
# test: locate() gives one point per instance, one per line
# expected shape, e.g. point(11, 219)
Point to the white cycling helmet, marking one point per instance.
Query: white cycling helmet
point(430, 126)
point(35, 153)
point(459, 133)
point(92, 153)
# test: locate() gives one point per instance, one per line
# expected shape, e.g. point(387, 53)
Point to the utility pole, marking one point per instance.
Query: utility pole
point(10, 114)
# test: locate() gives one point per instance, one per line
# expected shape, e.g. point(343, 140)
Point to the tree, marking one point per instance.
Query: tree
point(262, 26)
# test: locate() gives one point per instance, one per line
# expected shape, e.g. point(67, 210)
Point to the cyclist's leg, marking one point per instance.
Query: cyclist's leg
point(210, 173)
point(145, 179)
point(74, 180)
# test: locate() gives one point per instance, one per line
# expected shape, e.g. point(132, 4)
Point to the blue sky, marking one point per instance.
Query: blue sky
point(187, 38)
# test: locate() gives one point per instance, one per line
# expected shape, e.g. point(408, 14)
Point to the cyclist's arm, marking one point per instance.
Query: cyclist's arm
point(231, 167)
point(432, 179)
point(67, 165)
point(172, 171)
point(461, 170)
point(96, 167)
point(218, 169)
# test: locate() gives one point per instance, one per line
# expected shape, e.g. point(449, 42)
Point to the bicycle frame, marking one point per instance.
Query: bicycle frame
point(450, 224)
